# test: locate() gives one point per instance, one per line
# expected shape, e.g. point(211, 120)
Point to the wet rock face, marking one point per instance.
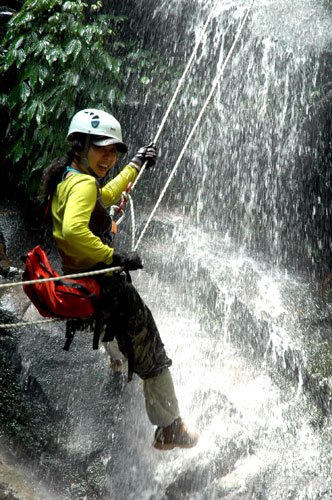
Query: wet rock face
point(4, 261)
point(24, 417)
point(14, 485)
point(24, 409)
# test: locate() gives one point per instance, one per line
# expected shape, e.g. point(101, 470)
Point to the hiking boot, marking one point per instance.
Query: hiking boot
point(174, 435)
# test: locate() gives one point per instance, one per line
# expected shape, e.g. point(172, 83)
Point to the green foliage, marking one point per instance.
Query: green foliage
point(61, 55)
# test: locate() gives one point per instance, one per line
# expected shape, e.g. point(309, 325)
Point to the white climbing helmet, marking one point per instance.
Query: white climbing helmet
point(102, 126)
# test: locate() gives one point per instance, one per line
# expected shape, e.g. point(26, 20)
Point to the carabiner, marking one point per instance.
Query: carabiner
point(124, 198)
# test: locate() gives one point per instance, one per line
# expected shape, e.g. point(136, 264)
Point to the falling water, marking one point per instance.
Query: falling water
point(248, 168)
point(247, 335)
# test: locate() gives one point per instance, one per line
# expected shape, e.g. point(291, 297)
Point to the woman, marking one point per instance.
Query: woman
point(81, 228)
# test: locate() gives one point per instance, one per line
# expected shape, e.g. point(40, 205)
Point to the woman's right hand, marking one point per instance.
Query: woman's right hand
point(146, 154)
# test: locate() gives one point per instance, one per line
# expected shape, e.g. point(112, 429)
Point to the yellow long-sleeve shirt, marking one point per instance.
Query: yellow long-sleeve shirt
point(72, 206)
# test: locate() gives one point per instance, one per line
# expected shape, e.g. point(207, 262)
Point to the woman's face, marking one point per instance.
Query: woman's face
point(102, 158)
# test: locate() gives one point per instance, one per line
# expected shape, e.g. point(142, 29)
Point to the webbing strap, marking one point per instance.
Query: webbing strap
point(97, 330)
point(69, 338)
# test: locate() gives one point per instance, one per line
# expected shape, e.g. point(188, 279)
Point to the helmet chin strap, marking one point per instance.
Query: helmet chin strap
point(84, 160)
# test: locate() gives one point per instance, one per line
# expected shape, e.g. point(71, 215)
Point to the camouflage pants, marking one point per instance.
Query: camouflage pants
point(131, 323)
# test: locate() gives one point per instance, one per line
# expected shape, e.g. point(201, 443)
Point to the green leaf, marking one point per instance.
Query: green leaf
point(87, 33)
point(10, 58)
point(21, 56)
point(40, 113)
point(19, 42)
point(40, 162)
point(23, 18)
point(96, 6)
point(3, 99)
point(73, 7)
point(43, 74)
point(42, 47)
point(111, 96)
point(24, 91)
point(17, 152)
point(13, 97)
point(111, 63)
point(31, 110)
point(74, 46)
point(53, 55)
point(72, 79)
point(55, 19)
point(31, 75)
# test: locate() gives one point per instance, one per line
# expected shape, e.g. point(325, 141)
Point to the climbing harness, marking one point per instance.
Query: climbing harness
point(126, 195)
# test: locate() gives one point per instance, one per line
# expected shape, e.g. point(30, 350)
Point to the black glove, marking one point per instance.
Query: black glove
point(130, 261)
point(146, 154)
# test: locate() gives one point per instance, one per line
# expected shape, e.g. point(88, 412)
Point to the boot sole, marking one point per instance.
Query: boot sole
point(171, 446)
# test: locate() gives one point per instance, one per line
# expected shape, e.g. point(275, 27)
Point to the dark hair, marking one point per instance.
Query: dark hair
point(53, 173)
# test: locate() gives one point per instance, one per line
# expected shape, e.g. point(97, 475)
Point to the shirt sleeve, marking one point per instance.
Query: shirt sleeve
point(80, 203)
point(111, 192)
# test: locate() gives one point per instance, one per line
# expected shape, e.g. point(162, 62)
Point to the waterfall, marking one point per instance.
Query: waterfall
point(228, 261)
point(252, 167)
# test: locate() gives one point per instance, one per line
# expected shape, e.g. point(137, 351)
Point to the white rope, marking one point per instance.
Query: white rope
point(59, 278)
point(133, 222)
point(26, 323)
point(193, 130)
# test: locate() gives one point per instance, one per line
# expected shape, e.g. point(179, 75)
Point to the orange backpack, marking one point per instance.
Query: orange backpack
point(66, 298)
